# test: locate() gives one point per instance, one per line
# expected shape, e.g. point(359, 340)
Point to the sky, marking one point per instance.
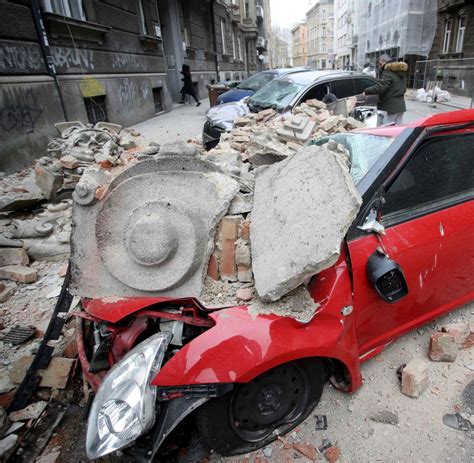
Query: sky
point(287, 13)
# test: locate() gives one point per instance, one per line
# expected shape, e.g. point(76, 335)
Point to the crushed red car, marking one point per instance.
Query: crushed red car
point(407, 258)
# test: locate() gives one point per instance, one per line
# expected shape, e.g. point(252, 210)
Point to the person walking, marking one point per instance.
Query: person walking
point(391, 89)
point(188, 87)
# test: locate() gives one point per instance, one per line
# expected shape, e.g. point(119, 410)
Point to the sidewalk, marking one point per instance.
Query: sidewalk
point(182, 123)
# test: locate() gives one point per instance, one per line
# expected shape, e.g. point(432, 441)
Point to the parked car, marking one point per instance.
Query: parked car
point(283, 94)
point(254, 83)
point(406, 259)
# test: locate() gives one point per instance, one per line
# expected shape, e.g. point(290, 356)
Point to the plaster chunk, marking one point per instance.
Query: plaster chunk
point(303, 207)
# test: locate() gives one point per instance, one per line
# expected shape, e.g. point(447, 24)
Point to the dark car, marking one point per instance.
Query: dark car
point(254, 83)
point(283, 94)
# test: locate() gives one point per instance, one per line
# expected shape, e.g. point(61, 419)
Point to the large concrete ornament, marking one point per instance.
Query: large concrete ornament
point(151, 231)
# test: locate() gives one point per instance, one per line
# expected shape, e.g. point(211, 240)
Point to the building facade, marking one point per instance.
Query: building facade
point(402, 29)
point(115, 60)
point(320, 24)
point(299, 45)
point(345, 29)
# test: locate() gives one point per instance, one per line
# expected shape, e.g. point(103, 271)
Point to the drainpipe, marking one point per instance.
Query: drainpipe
point(214, 42)
point(48, 59)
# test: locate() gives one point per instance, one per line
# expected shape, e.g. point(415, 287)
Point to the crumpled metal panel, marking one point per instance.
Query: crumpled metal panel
point(149, 230)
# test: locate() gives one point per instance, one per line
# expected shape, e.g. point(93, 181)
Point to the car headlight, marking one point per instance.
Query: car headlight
point(124, 406)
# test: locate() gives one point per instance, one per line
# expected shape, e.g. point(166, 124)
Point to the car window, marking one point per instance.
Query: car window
point(318, 92)
point(277, 94)
point(257, 81)
point(343, 88)
point(362, 84)
point(440, 170)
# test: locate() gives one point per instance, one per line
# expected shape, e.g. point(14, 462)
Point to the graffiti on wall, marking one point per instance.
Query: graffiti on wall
point(133, 93)
point(19, 109)
point(20, 58)
point(73, 58)
point(127, 61)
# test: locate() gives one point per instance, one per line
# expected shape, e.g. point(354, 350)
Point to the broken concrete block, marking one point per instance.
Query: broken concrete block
point(35, 228)
point(32, 412)
point(10, 243)
point(53, 457)
point(242, 203)
point(55, 375)
point(7, 445)
point(48, 177)
point(177, 148)
point(18, 273)
point(444, 347)
point(49, 251)
point(4, 422)
point(352, 123)
point(316, 103)
point(242, 121)
point(13, 256)
point(244, 273)
point(151, 231)
point(303, 207)
point(297, 128)
point(415, 378)
point(244, 294)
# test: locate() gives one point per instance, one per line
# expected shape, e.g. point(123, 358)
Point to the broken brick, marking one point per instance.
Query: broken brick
point(308, 450)
point(244, 231)
point(415, 378)
point(213, 267)
point(18, 273)
point(443, 347)
point(332, 454)
point(69, 162)
point(13, 256)
point(31, 412)
point(227, 267)
point(55, 375)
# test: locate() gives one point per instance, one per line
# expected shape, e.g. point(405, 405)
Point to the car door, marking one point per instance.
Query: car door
point(343, 88)
point(361, 83)
point(428, 215)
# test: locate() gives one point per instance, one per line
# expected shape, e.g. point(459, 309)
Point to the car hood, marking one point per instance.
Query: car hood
point(225, 114)
point(236, 94)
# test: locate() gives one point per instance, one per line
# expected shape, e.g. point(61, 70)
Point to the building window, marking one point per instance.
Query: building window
point(96, 109)
point(239, 47)
point(68, 8)
point(141, 14)
point(157, 100)
point(324, 14)
point(234, 51)
point(224, 49)
point(461, 32)
point(247, 8)
point(447, 35)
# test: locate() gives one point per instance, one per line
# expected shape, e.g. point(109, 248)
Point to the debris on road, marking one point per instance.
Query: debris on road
point(321, 422)
point(457, 421)
point(19, 334)
point(415, 378)
point(385, 416)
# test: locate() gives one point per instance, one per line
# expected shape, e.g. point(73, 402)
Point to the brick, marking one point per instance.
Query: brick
point(415, 378)
point(229, 227)
point(56, 375)
point(227, 267)
point(308, 450)
point(244, 231)
point(31, 412)
point(244, 294)
point(7, 290)
point(53, 457)
point(443, 347)
point(18, 273)
point(244, 274)
point(69, 162)
point(213, 267)
point(6, 398)
point(459, 330)
point(332, 454)
point(70, 351)
point(13, 256)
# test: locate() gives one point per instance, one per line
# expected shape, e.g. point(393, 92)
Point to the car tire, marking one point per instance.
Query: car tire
point(245, 418)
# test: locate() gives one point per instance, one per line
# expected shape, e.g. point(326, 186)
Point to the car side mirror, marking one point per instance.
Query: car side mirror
point(386, 276)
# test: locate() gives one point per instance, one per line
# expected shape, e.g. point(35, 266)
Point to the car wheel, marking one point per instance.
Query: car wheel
point(246, 418)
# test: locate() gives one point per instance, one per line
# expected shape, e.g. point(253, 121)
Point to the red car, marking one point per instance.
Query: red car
point(407, 258)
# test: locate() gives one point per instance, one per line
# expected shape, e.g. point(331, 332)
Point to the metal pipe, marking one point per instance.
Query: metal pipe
point(48, 59)
point(214, 41)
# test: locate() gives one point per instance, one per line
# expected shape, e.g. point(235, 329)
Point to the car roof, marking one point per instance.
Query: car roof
point(309, 76)
point(283, 71)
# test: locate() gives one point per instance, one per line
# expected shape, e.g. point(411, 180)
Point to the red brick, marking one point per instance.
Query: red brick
point(213, 267)
point(245, 229)
point(443, 347)
point(229, 227)
point(227, 266)
point(308, 450)
point(415, 378)
point(18, 273)
point(332, 454)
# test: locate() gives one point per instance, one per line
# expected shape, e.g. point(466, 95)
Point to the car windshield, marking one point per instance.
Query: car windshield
point(364, 150)
point(277, 95)
point(257, 81)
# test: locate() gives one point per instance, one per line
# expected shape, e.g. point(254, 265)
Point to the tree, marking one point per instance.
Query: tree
point(280, 50)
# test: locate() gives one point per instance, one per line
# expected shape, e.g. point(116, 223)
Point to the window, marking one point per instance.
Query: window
point(247, 9)
point(323, 64)
point(343, 88)
point(234, 52)
point(447, 35)
point(69, 8)
point(96, 109)
point(318, 92)
point(461, 32)
point(224, 49)
point(362, 84)
point(440, 170)
point(157, 100)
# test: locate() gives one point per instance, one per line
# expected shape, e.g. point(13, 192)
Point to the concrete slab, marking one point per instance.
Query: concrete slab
point(302, 209)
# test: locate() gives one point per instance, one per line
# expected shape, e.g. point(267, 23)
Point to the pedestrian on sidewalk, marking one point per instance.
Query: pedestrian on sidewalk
point(188, 87)
point(391, 89)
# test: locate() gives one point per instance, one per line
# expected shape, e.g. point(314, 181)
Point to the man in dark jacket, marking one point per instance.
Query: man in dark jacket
point(390, 88)
point(188, 87)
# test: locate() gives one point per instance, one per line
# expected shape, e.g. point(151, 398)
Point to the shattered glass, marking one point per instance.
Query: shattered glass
point(364, 150)
point(278, 94)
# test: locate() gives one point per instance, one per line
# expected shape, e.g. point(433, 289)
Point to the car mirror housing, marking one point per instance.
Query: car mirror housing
point(386, 276)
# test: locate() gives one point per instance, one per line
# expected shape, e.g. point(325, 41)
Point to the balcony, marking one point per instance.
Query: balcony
point(249, 27)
